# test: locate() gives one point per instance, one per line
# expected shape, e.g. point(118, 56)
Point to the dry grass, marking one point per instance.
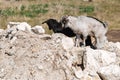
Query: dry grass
point(105, 10)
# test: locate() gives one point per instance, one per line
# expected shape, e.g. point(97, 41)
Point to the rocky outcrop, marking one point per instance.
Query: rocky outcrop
point(25, 55)
point(95, 59)
point(19, 26)
point(111, 72)
point(38, 29)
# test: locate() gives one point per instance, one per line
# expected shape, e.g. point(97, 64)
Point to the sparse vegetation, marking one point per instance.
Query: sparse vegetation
point(36, 11)
point(30, 11)
point(33, 10)
point(86, 9)
point(7, 12)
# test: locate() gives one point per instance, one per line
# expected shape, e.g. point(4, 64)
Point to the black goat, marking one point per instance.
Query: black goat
point(57, 28)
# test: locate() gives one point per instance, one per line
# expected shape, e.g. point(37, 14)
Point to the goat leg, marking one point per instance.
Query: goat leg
point(78, 40)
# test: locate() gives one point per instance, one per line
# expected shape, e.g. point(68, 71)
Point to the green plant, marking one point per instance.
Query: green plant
point(86, 9)
point(34, 10)
point(22, 8)
point(7, 12)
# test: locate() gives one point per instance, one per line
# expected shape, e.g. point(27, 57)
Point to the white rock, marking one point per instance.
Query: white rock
point(10, 32)
point(79, 74)
point(1, 30)
point(113, 47)
point(14, 27)
point(110, 46)
point(24, 26)
point(11, 24)
point(38, 29)
point(57, 37)
point(111, 72)
point(67, 43)
point(86, 75)
point(94, 59)
point(40, 67)
point(13, 39)
point(117, 45)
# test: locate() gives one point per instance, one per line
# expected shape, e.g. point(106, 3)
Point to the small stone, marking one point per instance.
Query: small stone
point(79, 74)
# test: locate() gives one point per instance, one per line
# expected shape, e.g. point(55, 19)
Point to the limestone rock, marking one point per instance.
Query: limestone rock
point(28, 56)
point(1, 30)
point(94, 59)
point(111, 72)
point(14, 27)
point(86, 75)
point(113, 47)
point(38, 29)
point(24, 26)
point(67, 43)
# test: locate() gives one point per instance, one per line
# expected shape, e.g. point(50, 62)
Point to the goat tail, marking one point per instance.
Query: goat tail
point(105, 25)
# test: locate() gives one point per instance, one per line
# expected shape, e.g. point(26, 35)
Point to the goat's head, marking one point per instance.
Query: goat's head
point(50, 23)
point(53, 25)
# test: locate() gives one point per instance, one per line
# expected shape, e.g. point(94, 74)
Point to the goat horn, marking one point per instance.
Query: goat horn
point(44, 22)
